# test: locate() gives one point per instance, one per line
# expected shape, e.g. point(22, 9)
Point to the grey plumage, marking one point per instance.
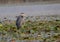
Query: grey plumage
point(19, 21)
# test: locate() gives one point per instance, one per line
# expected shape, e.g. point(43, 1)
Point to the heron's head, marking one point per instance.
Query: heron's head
point(22, 15)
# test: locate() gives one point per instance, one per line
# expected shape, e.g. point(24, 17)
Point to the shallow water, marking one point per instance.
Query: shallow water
point(11, 11)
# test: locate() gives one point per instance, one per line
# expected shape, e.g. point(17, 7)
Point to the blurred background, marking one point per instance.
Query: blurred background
point(22, 1)
point(13, 8)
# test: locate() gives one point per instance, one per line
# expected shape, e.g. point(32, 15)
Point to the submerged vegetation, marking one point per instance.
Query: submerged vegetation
point(34, 28)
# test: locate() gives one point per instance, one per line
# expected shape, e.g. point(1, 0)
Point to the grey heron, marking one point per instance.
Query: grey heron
point(20, 20)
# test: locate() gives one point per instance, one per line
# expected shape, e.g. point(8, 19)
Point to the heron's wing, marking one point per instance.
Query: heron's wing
point(19, 19)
